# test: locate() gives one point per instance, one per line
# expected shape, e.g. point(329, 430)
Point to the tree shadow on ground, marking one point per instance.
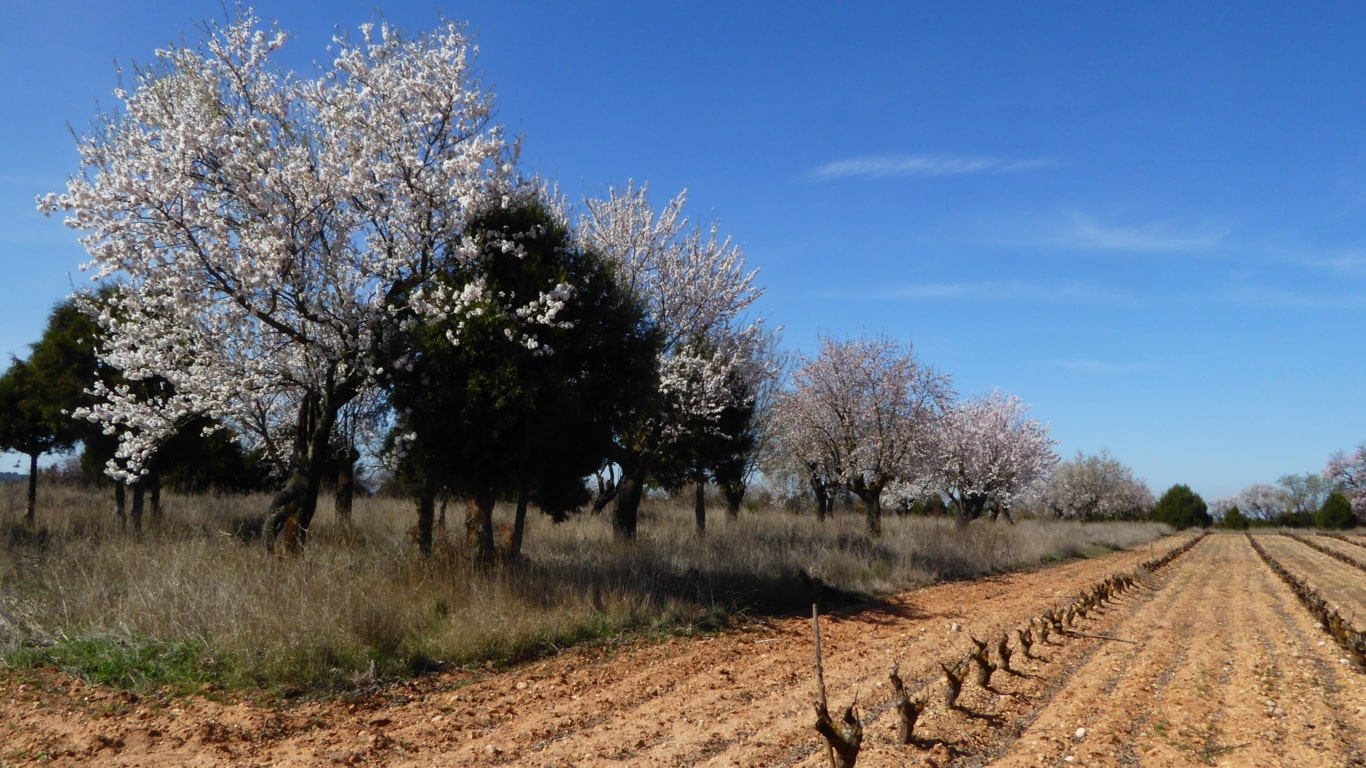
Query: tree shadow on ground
point(780, 593)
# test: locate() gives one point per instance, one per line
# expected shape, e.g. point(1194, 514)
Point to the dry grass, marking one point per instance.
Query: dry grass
point(188, 603)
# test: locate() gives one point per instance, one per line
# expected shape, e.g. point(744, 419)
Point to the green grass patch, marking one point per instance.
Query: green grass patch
point(133, 665)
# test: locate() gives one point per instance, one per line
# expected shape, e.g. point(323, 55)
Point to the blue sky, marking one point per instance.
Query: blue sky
point(1149, 222)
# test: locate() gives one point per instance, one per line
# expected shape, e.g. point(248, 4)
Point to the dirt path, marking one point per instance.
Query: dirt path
point(1210, 661)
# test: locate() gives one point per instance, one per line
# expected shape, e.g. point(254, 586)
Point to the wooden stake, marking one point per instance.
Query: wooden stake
point(820, 676)
point(842, 740)
point(820, 670)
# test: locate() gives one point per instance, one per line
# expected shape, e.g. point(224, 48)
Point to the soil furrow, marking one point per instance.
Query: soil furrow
point(1349, 554)
point(1138, 670)
point(1342, 585)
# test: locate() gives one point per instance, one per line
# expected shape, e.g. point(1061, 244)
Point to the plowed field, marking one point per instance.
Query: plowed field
point(1210, 660)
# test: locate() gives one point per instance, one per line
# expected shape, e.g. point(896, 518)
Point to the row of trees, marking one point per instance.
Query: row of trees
point(310, 261)
point(301, 267)
point(1333, 498)
point(868, 417)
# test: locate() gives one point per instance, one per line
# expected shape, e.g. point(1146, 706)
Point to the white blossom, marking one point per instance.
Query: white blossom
point(989, 451)
point(259, 220)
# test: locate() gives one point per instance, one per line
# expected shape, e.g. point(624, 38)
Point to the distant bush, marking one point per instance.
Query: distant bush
point(1336, 513)
point(1235, 520)
point(1181, 507)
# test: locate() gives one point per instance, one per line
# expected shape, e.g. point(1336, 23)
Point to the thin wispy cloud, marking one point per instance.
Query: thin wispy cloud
point(1347, 263)
point(1087, 233)
point(1261, 297)
point(1006, 291)
point(911, 166)
point(1101, 368)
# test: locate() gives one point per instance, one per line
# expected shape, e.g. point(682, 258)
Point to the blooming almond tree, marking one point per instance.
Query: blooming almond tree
point(989, 452)
point(695, 288)
point(863, 413)
point(1305, 494)
point(260, 222)
point(1347, 473)
point(1263, 502)
point(1097, 487)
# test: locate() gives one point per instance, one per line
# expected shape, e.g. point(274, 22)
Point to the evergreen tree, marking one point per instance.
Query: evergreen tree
point(1235, 520)
point(1336, 513)
point(1181, 507)
point(31, 423)
point(497, 403)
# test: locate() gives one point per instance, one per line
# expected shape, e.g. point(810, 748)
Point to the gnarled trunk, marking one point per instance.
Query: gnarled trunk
point(291, 512)
point(607, 490)
point(872, 508)
point(970, 507)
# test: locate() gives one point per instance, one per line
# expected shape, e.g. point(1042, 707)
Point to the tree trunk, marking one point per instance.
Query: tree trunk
point(154, 497)
point(872, 510)
point(285, 512)
point(291, 512)
point(519, 525)
point(139, 498)
point(734, 494)
point(346, 487)
point(121, 504)
point(607, 490)
point(699, 506)
point(822, 494)
point(970, 508)
point(31, 508)
point(479, 528)
point(426, 501)
point(630, 489)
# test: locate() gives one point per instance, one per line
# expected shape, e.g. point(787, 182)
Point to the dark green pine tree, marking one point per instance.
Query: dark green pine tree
point(1181, 507)
point(1336, 513)
point(31, 423)
point(493, 415)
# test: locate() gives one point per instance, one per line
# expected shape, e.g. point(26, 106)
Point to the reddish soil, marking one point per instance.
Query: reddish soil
point(1209, 661)
point(1341, 584)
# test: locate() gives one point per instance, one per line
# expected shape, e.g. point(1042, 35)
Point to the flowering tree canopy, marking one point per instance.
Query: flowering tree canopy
point(1305, 494)
point(1262, 502)
point(989, 452)
point(1347, 472)
point(696, 291)
point(1097, 487)
point(260, 222)
point(862, 413)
